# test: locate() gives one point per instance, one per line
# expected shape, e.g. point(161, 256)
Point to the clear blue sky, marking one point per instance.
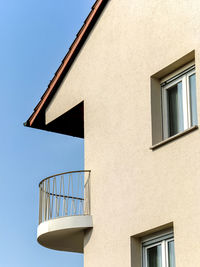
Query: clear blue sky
point(34, 37)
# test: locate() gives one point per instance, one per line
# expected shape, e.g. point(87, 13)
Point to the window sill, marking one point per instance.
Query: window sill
point(172, 138)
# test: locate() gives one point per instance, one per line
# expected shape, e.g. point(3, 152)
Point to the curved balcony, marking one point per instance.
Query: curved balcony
point(64, 211)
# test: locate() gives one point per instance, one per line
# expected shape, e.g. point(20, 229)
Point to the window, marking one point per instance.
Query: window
point(179, 109)
point(159, 251)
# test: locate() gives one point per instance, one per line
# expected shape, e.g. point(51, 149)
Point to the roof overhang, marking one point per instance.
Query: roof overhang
point(72, 122)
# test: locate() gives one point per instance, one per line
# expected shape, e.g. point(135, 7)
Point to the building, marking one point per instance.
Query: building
point(129, 86)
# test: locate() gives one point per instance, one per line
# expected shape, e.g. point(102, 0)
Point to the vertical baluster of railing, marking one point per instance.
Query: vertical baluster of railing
point(82, 196)
point(69, 196)
point(77, 195)
point(45, 202)
point(66, 195)
point(72, 194)
point(48, 199)
point(40, 204)
point(68, 192)
point(53, 199)
point(56, 199)
point(89, 206)
point(63, 198)
point(87, 195)
point(61, 178)
point(46, 195)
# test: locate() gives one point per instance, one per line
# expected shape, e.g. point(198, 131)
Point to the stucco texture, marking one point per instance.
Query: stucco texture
point(135, 189)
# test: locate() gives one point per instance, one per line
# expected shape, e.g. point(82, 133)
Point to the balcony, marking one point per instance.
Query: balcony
point(64, 211)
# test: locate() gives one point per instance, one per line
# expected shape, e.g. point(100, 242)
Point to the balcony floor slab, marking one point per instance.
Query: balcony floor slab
point(64, 233)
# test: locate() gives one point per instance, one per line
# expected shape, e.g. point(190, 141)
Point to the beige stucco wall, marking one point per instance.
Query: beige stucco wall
point(135, 189)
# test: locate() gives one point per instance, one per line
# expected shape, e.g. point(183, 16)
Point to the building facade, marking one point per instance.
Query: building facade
point(129, 86)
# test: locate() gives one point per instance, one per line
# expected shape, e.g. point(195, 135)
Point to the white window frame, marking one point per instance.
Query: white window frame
point(167, 85)
point(167, 251)
point(161, 239)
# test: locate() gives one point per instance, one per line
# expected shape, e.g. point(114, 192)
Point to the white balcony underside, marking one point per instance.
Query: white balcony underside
point(64, 233)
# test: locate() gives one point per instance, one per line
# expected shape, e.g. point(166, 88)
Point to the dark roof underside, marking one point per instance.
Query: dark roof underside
point(70, 123)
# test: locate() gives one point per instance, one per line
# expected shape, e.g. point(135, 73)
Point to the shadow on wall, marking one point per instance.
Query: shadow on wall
point(87, 236)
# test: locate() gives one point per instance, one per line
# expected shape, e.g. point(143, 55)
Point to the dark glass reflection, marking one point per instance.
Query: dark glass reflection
point(175, 109)
point(154, 258)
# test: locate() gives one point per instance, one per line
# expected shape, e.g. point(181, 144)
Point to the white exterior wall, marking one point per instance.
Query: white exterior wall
point(135, 189)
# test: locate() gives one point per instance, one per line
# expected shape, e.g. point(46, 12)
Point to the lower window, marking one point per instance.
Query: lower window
point(159, 251)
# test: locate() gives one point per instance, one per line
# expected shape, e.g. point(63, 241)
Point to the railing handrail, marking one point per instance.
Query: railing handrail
point(64, 194)
point(52, 176)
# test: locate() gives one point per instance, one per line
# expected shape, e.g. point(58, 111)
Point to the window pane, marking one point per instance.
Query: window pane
point(193, 103)
point(175, 109)
point(171, 254)
point(154, 258)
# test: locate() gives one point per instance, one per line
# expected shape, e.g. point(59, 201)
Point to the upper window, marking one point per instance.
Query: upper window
point(179, 109)
point(159, 251)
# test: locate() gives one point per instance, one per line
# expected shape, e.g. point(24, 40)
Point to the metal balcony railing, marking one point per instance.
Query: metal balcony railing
point(64, 194)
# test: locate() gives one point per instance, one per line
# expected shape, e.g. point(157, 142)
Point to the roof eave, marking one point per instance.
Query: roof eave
point(65, 65)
